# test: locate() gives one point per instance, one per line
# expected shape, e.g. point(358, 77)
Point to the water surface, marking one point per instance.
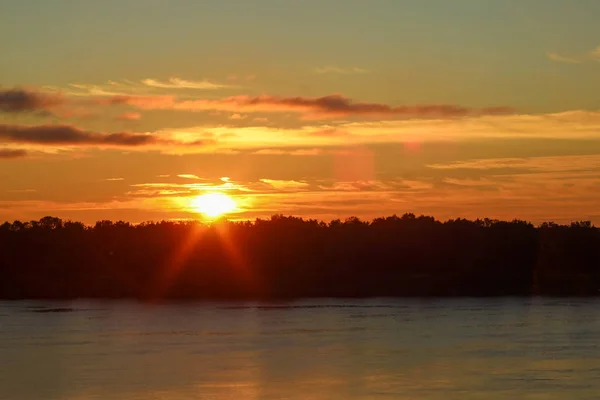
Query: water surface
point(320, 349)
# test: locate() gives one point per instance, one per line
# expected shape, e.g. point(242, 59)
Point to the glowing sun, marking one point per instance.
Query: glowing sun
point(213, 204)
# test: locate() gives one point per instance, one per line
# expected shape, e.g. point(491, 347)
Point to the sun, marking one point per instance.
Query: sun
point(213, 204)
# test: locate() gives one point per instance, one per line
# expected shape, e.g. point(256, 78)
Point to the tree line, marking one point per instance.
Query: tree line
point(288, 257)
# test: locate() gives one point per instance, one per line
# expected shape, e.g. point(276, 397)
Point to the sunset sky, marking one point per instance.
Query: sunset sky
point(130, 109)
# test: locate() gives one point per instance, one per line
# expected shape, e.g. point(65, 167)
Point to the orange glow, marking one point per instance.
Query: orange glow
point(213, 204)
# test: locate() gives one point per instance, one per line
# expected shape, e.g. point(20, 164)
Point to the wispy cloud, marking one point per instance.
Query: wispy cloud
point(593, 54)
point(22, 191)
point(126, 87)
point(331, 106)
point(557, 57)
point(330, 69)
point(114, 179)
point(285, 184)
point(129, 116)
point(312, 107)
point(87, 89)
point(22, 100)
point(12, 153)
point(318, 139)
point(56, 136)
point(189, 176)
point(178, 83)
point(578, 163)
point(70, 136)
point(247, 78)
point(288, 152)
point(328, 132)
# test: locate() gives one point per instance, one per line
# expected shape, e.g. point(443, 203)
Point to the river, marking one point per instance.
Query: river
point(425, 349)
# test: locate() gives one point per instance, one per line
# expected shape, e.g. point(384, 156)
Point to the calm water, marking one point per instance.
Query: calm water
point(328, 349)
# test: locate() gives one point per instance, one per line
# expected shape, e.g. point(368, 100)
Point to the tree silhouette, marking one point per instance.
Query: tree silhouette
point(288, 257)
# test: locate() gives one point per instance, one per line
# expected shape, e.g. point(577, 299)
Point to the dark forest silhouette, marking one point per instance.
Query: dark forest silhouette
point(288, 257)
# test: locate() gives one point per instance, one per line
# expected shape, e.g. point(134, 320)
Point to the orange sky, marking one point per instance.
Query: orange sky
point(311, 110)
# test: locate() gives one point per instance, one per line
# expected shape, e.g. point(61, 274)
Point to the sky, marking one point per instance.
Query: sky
point(131, 109)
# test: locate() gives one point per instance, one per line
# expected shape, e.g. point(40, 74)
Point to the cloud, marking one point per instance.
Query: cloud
point(289, 152)
point(6, 154)
point(557, 57)
point(129, 116)
point(580, 163)
point(71, 136)
point(114, 179)
point(329, 132)
point(178, 83)
point(126, 87)
point(238, 116)
point(22, 191)
point(337, 70)
point(331, 106)
point(189, 176)
point(306, 152)
point(57, 137)
point(593, 54)
point(195, 187)
point(247, 78)
point(408, 134)
point(93, 90)
point(285, 184)
point(313, 107)
point(22, 100)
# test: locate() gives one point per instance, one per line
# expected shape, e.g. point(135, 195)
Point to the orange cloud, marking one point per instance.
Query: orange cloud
point(331, 106)
point(129, 116)
point(313, 107)
point(12, 153)
point(189, 176)
point(70, 136)
point(21, 100)
point(285, 184)
point(329, 132)
point(178, 83)
point(57, 136)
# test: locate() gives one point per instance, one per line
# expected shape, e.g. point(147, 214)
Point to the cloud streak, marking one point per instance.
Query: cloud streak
point(22, 100)
point(330, 69)
point(325, 107)
point(178, 83)
point(6, 154)
point(557, 57)
point(331, 106)
point(593, 55)
point(129, 116)
point(68, 135)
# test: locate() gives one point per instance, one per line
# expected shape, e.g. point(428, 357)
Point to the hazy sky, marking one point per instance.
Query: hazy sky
point(130, 109)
